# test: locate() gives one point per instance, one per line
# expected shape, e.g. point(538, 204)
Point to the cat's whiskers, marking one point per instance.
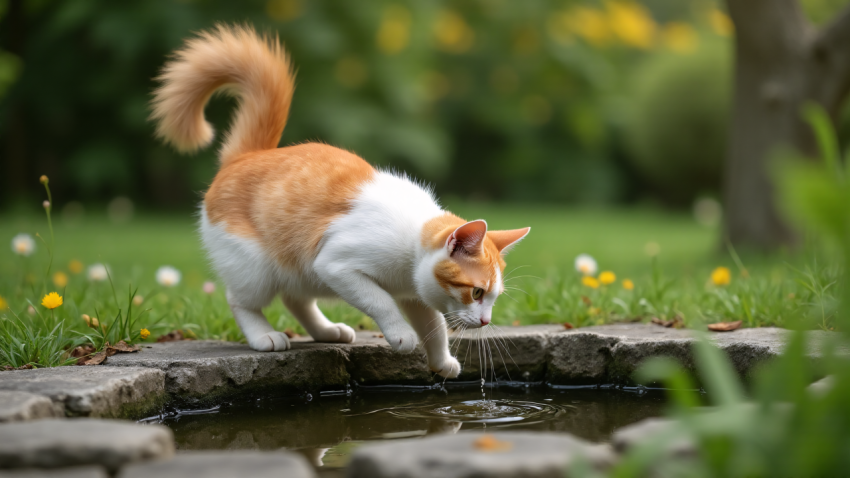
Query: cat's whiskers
point(497, 344)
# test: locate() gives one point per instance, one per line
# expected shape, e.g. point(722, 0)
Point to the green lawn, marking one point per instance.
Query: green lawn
point(544, 284)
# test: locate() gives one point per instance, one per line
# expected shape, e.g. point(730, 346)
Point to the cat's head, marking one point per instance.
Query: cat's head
point(463, 271)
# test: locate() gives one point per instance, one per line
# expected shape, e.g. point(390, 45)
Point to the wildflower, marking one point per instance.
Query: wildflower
point(145, 333)
point(394, 31)
point(98, 273)
point(46, 204)
point(590, 281)
point(168, 276)
point(720, 23)
point(31, 310)
point(137, 300)
point(721, 276)
point(43, 179)
point(628, 284)
point(607, 278)
point(75, 266)
point(209, 287)
point(51, 300)
point(632, 23)
point(586, 265)
point(3, 304)
point(23, 245)
point(60, 279)
point(680, 37)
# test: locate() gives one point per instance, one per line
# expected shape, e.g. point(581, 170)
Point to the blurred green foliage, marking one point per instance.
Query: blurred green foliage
point(678, 130)
point(486, 98)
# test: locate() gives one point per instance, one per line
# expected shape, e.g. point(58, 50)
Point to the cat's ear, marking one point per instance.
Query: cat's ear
point(506, 240)
point(467, 239)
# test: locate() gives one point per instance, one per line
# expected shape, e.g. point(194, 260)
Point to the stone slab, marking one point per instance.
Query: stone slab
point(72, 472)
point(57, 443)
point(21, 406)
point(204, 370)
point(526, 454)
point(92, 391)
point(612, 353)
point(224, 464)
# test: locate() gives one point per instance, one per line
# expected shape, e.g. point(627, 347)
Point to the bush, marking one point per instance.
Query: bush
point(676, 133)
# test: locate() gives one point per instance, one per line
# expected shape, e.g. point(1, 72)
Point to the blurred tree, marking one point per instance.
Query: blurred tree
point(782, 61)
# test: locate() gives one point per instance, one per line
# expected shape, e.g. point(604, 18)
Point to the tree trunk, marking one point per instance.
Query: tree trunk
point(781, 62)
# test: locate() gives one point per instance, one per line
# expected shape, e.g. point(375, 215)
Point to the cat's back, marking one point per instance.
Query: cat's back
point(285, 198)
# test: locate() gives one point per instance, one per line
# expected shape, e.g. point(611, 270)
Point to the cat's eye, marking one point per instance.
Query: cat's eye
point(477, 293)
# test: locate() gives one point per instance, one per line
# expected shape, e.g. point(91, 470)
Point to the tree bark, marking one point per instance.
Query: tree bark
point(781, 62)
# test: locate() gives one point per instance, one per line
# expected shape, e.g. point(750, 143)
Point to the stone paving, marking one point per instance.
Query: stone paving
point(36, 438)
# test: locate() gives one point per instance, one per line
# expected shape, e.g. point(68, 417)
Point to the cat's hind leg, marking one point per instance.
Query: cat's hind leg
point(247, 310)
point(315, 323)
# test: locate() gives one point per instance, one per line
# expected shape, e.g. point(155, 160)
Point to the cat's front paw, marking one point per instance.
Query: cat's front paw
point(404, 342)
point(273, 341)
point(450, 368)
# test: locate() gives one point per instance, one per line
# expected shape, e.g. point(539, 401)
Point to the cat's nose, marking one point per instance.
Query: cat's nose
point(484, 321)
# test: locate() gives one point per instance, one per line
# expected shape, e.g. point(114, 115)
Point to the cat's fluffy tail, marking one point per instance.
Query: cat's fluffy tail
point(255, 69)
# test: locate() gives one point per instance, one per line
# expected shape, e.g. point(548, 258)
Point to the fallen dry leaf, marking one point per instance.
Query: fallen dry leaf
point(568, 325)
point(515, 323)
point(724, 326)
point(675, 323)
point(173, 336)
point(22, 367)
point(122, 347)
point(378, 336)
point(95, 359)
point(82, 351)
point(489, 443)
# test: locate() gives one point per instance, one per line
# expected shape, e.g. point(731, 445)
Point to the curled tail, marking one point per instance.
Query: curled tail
point(254, 68)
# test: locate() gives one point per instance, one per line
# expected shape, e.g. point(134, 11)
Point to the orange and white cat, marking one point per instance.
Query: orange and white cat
point(313, 221)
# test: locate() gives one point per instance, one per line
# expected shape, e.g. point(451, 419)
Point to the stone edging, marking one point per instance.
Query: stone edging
point(135, 385)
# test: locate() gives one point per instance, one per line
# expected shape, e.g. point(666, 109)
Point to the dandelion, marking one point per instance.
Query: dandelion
point(586, 264)
point(3, 304)
point(138, 300)
point(75, 266)
point(590, 281)
point(209, 287)
point(721, 276)
point(23, 245)
point(607, 278)
point(628, 284)
point(168, 276)
point(51, 300)
point(98, 273)
point(60, 279)
point(145, 333)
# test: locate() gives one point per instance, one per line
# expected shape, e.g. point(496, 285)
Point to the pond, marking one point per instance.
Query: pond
point(328, 428)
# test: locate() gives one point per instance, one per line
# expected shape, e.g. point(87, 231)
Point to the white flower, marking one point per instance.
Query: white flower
point(23, 245)
point(168, 276)
point(209, 287)
point(98, 273)
point(586, 265)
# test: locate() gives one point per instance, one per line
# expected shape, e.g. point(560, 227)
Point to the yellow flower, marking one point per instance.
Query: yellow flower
point(394, 31)
point(628, 284)
point(91, 322)
point(75, 266)
point(607, 277)
point(589, 24)
point(452, 33)
point(721, 276)
point(145, 333)
point(3, 304)
point(60, 279)
point(631, 23)
point(590, 281)
point(52, 300)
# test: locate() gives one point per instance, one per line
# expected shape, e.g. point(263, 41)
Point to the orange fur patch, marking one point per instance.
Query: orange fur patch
point(285, 198)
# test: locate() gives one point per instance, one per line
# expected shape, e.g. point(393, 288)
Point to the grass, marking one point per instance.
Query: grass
point(544, 286)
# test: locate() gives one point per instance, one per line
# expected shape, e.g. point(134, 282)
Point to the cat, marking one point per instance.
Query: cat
point(314, 221)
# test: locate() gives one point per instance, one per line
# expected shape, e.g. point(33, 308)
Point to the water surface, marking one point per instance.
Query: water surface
point(327, 429)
